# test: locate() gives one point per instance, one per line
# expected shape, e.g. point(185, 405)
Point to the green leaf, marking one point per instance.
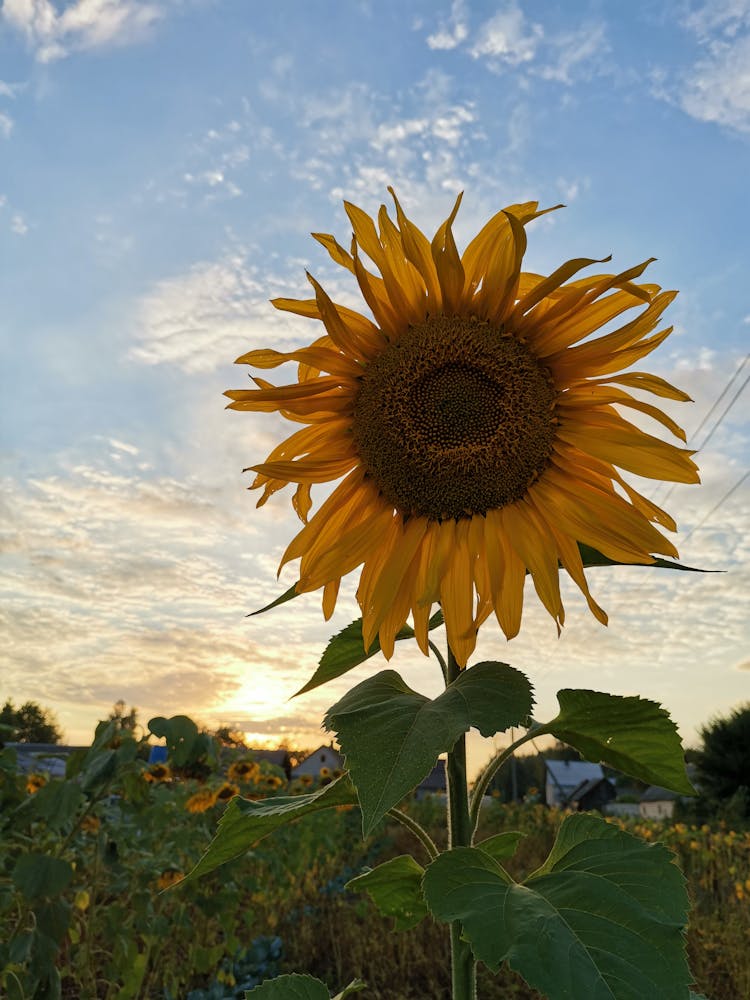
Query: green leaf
point(604, 917)
point(395, 887)
point(629, 733)
point(591, 557)
point(246, 821)
point(288, 595)
point(346, 650)
point(39, 875)
point(502, 845)
point(57, 802)
point(392, 736)
point(296, 987)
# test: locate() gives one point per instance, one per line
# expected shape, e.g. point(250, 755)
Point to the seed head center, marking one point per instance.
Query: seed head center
point(454, 419)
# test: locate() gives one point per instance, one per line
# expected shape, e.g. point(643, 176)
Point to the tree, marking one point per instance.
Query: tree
point(125, 720)
point(30, 723)
point(723, 763)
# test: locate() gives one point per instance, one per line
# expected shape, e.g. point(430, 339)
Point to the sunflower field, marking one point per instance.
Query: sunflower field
point(91, 906)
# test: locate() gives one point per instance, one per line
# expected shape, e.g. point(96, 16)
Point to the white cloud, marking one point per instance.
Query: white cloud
point(575, 54)
point(452, 30)
point(19, 225)
point(213, 313)
point(716, 87)
point(6, 124)
point(85, 24)
point(508, 37)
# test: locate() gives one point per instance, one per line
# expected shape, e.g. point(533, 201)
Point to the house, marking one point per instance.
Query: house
point(596, 793)
point(49, 758)
point(324, 757)
point(433, 784)
point(279, 758)
point(657, 803)
point(563, 777)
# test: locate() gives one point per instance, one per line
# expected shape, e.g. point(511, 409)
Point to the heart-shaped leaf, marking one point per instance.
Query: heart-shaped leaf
point(346, 650)
point(631, 734)
point(392, 736)
point(603, 918)
point(246, 821)
point(395, 887)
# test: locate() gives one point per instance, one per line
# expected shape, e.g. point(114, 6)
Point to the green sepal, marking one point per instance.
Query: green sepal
point(297, 987)
point(246, 821)
point(391, 736)
point(631, 734)
point(288, 595)
point(502, 845)
point(603, 918)
point(592, 557)
point(346, 650)
point(395, 888)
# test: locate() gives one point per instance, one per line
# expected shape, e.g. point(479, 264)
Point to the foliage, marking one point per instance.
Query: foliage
point(29, 723)
point(100, 923)
point(723, 762)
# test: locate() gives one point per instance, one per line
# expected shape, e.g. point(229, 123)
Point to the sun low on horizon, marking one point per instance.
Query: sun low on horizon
point(162, 166)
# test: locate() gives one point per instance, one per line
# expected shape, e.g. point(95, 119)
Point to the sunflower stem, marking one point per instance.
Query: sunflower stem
point(463, 966)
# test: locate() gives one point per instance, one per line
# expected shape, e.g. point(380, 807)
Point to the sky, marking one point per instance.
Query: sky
point(162, 164)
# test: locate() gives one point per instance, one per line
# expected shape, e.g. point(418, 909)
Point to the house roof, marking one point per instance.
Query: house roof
point(325, 748)
point(570, 773)
point(588, 786)
point(435, 780)
point(654, 793)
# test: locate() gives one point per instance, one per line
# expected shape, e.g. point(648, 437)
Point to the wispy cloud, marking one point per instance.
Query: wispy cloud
point(452, 30)
point(55, 32)
point(206, 317)
point(510, 40)
point(716, 87)
point(508, 37)
point(6, 124)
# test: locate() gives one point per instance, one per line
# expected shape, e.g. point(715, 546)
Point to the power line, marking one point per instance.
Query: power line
point(715, 427)
point(724, 391)
point(713, 510)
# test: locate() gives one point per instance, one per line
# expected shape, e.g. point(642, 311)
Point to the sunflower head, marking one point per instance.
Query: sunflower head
point(475, 420)
point(201, 801)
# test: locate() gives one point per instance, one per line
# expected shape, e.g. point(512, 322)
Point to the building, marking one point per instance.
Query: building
point(563, 777)
point(324, 757)
point(596, 793)
point(657, 803)
point(434, 783)
point(47, 758)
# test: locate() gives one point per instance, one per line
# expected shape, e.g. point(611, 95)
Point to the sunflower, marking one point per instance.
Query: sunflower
point(157, 773)
point(201, 801)
point(243, 771)
point(169, 878)
point(474, 424)
point(226, 792)
point(34, 782)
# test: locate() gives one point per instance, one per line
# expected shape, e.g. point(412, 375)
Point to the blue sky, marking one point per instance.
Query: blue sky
point(162, 163)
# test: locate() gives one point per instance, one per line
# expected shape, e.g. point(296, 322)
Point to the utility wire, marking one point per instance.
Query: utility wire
point(715, 427)
point(713, 510)
point(724, 391)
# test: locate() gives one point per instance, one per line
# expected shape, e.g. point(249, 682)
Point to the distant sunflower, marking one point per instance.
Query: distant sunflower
point(169, 878)
point(201, 801)
point(243, 771)
point(475, 426)
point(226, 792)
point(34, 782)
point(157, 773)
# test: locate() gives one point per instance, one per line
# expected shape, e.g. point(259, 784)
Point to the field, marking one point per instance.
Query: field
point(91, 907)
